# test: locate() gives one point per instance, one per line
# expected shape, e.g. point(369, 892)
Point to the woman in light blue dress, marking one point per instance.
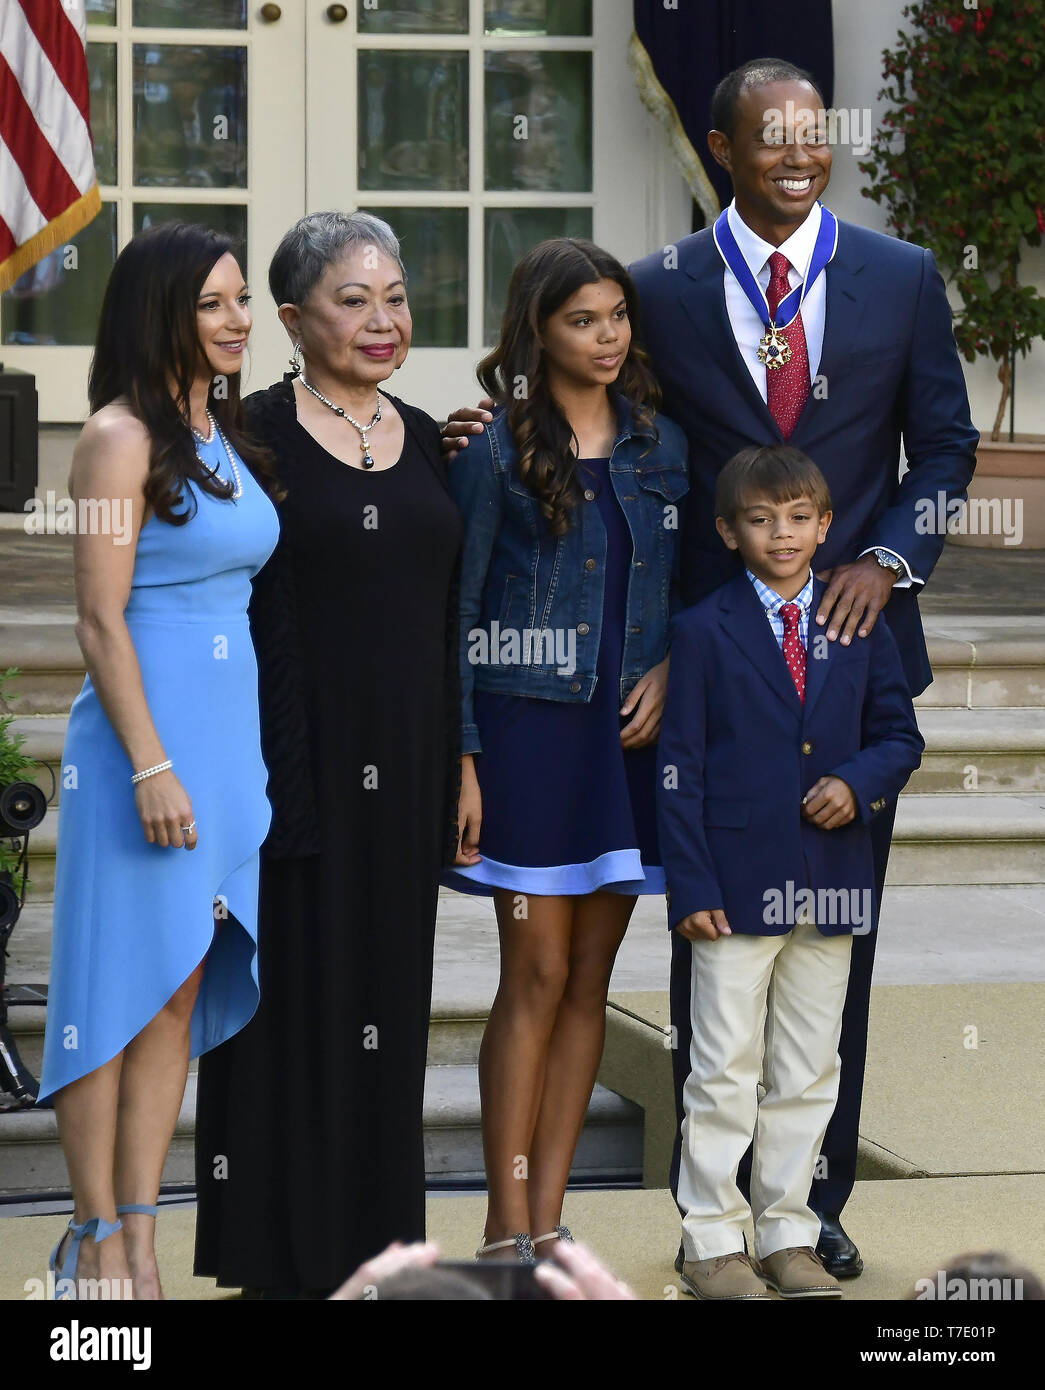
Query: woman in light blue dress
point(163, 804)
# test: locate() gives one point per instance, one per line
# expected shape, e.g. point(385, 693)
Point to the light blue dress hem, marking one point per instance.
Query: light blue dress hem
point(131, 920)
point(617, 871)
point(215, 1018)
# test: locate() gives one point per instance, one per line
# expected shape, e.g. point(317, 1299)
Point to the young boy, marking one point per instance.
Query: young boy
point(777, 749)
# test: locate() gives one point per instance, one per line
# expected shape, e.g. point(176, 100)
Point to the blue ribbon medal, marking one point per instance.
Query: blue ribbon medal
point(773, 349)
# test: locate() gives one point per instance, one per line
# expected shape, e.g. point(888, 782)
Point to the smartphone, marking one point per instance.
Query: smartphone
point(503, 1280)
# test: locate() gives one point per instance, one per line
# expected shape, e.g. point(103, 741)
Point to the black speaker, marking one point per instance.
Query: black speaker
point(19, 457)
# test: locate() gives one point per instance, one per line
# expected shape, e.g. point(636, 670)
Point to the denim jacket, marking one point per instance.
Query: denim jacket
point(531, 603)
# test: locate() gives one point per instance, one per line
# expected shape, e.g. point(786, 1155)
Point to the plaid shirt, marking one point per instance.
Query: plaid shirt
point(772, 603)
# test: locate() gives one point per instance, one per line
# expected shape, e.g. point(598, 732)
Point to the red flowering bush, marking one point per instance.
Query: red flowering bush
point(959, 160)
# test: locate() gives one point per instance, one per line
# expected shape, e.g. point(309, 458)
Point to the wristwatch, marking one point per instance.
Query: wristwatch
point(888, 561)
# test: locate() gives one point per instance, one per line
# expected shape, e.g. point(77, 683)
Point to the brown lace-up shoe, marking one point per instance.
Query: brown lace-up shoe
point(797, 1273)
point(723, 1277)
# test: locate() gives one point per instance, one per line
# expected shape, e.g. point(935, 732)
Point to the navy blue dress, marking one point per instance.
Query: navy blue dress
point(566, 809)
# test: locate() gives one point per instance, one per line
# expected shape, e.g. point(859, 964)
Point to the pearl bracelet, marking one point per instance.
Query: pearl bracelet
point(151, 771)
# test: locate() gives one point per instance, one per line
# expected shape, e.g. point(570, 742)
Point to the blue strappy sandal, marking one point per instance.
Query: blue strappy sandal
point(145, 1209)
point(96, 1227)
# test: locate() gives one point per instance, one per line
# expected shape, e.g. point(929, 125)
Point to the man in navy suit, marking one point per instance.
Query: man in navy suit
point(778, 749)
point(872, 361)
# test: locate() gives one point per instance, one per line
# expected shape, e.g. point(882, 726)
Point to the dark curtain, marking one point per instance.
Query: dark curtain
point(693, 47)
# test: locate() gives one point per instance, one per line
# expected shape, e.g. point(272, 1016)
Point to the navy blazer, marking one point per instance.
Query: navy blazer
point(739, 750)
point(889, 368)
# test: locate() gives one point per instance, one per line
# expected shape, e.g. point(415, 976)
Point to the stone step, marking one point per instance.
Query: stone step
point(977, 662)
point(43, 738)
point(967, 839)
point(25, 1023)
point(973, 750)
point(983, 663)
point(954, 837)
point(454, 1034)
point(981, 751)
point(610, 1147)
point(50, 664)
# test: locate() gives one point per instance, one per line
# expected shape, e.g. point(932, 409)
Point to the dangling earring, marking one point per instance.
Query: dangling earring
point(295, 361)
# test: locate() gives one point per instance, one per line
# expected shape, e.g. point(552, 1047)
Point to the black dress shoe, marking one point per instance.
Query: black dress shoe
point(837, 1252)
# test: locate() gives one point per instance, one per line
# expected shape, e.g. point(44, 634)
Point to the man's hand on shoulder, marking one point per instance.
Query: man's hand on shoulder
point(462, 422)
point(854, 597)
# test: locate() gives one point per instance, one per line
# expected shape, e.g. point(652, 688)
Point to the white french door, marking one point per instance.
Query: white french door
point(475, 127)
point(197, 113)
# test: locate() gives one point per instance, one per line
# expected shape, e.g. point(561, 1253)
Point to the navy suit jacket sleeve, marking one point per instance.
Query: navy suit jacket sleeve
point(476, 488)
point(939, 439)
point(692, 882)
point(891, 746)
point(676, 602)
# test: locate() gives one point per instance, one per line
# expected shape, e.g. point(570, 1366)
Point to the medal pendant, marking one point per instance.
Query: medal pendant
point(773, 349)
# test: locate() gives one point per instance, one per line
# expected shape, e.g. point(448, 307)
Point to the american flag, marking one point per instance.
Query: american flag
point(48, 186)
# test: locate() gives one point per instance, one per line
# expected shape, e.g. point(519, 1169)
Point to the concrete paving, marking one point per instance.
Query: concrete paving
point(907, 1231)
point(928, 935)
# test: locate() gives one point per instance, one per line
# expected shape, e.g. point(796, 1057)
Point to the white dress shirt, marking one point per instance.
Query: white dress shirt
point(748, 328)
point(772, 602)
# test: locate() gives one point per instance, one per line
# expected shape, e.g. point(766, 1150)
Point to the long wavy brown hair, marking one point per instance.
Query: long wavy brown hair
point(148, 341)
point(541, 283)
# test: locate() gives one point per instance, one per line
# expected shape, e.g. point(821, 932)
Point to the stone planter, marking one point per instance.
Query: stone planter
point(1006, 497)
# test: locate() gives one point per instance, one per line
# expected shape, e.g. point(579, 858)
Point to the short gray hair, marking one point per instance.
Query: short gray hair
point(318, 240)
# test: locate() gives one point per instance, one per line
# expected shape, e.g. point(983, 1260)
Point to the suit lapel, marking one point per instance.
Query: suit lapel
point(745, 622)
point(845, 303)
point(843, 309)
point(704, 300)
point(817, 666)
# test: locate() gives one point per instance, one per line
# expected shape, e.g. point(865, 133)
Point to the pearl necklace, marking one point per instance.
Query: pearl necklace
point(214, 428)
point(364, 430)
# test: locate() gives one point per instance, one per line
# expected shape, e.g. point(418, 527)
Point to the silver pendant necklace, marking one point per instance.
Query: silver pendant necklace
point(364, 430)
point(215, 429)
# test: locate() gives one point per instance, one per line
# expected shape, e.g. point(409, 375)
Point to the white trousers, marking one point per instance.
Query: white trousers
point(769, 1005)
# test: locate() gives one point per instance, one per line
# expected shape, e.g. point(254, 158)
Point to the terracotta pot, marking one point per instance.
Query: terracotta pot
point(1006, 497)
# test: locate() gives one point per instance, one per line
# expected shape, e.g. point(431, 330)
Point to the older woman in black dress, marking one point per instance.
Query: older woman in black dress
point(309, 1142)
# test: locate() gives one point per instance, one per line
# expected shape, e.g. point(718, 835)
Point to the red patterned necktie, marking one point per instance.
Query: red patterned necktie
point(794, 652)
point(787, 387)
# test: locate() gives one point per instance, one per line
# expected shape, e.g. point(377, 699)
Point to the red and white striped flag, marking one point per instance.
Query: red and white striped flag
point(48, 185)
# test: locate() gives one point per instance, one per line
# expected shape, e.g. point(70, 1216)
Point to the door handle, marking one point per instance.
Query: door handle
point(337, 14)
point(270, 13)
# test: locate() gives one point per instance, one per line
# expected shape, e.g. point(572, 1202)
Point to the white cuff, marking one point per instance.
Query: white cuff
point(907, 578)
